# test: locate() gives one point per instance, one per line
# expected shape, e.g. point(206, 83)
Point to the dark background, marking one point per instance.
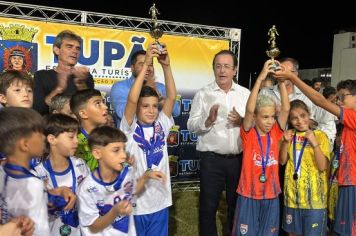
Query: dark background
point(306, 31)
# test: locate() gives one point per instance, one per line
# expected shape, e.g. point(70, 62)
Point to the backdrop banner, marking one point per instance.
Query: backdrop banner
point(107, 53)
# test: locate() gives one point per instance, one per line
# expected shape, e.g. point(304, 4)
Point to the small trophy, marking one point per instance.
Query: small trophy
point(156, 31)
point(273, 51)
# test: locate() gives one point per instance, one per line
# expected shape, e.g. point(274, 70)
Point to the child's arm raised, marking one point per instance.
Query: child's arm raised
point(283, 149)
point(134, 94)
point(284, 113)
point(121, 208)
point(150, 174)
point(308, 91)
point(252, 99)
point(171, 91)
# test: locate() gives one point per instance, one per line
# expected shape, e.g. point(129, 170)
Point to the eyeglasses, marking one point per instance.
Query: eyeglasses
point(341, 97)
point(225, 66)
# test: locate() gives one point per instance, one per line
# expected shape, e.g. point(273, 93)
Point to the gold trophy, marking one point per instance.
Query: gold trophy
point(273, 51)
point(156, 31)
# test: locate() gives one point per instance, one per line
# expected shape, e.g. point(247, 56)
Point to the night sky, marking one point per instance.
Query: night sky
point(306, 32)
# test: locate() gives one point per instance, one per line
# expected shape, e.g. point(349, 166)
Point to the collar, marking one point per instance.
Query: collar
point(216, 87)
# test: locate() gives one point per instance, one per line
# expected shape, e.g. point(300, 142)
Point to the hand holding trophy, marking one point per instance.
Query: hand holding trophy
point(156, 31)
point(273, 51)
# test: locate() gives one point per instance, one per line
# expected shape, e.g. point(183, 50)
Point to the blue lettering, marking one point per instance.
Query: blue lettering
point(186, 135)
point(94, 54)
point(186, 104)
point(109, 56)
point(138, 41)
point(189, 165)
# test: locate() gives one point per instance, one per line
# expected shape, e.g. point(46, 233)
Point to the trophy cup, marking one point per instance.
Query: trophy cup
point(156, 31)
point(273, 51)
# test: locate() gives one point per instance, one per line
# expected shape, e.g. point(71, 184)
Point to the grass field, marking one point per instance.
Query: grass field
point(183, 215)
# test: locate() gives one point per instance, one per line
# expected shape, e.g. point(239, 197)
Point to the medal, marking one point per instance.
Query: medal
point(335, 164)
point(296, 160)
point(295, 176)
point(263, 178)
point(65, 230)
point(264, 158)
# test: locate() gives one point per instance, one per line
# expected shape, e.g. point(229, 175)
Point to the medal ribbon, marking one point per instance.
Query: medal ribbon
point(297, 164)
point(264, 158)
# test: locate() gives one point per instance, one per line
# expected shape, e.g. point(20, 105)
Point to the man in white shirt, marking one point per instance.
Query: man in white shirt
point(215, 116)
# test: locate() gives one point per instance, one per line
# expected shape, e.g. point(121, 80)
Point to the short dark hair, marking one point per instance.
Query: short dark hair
point(148, 91)
point(316, 80)
point(56, 124)
point(328, 91)
point(57, 102)
point(104, 135)
point(17, 123)
point(347, 84)
point(65, 34)
point(9, 77)
point(135, 55)
point(80, 99)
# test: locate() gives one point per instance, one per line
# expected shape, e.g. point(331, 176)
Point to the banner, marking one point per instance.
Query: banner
point(106, 52)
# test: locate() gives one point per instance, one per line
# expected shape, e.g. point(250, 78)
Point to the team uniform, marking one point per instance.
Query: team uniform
point(76, 172)
point(84, 152)
point(333, 187)
point(149, 147)
point(24, 194)
point(96, 198)
point(257, 207)
point(345, 220)
point(305, 187)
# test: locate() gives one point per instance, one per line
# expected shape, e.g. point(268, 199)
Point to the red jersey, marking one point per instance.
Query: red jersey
point(250, 185)
point(347, 168)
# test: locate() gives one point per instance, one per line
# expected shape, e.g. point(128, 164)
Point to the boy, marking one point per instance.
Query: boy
point(24, 193)
point(16, 89)
point(61, 168)
point(60, 104)
point(147, 130)
point(105, 196)
point(345, 220)
point(91, 112)
point(257, 206)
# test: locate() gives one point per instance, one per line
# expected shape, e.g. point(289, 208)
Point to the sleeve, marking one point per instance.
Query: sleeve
point(348, 118)
point(37, 206)
point(126, 128)
point(197, 116)
point(166, 122)
point(118, 98)
point(324, 144)
point(39, 95)
point(87, 212)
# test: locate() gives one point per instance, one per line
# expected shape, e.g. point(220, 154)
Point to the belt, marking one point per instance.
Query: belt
point(214, 154)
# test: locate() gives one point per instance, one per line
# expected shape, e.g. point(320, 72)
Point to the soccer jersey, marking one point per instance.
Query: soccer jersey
point(64, 178)
point(84, 152)
point(333, 186)
point(309, 191)
point(25, 195)
point(96, 198)
point(250, 185)
point(347, 170)
point(157, 195)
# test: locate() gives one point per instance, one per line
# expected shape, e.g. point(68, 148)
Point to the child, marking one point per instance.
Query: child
point(16, 89)
point(105, 196)
point(257, 206)
point(307, 155)
point(91, 112)
point(61, 168)
point(345, 220)
point(147, 131)
point(60, 104)
point(24, 193)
